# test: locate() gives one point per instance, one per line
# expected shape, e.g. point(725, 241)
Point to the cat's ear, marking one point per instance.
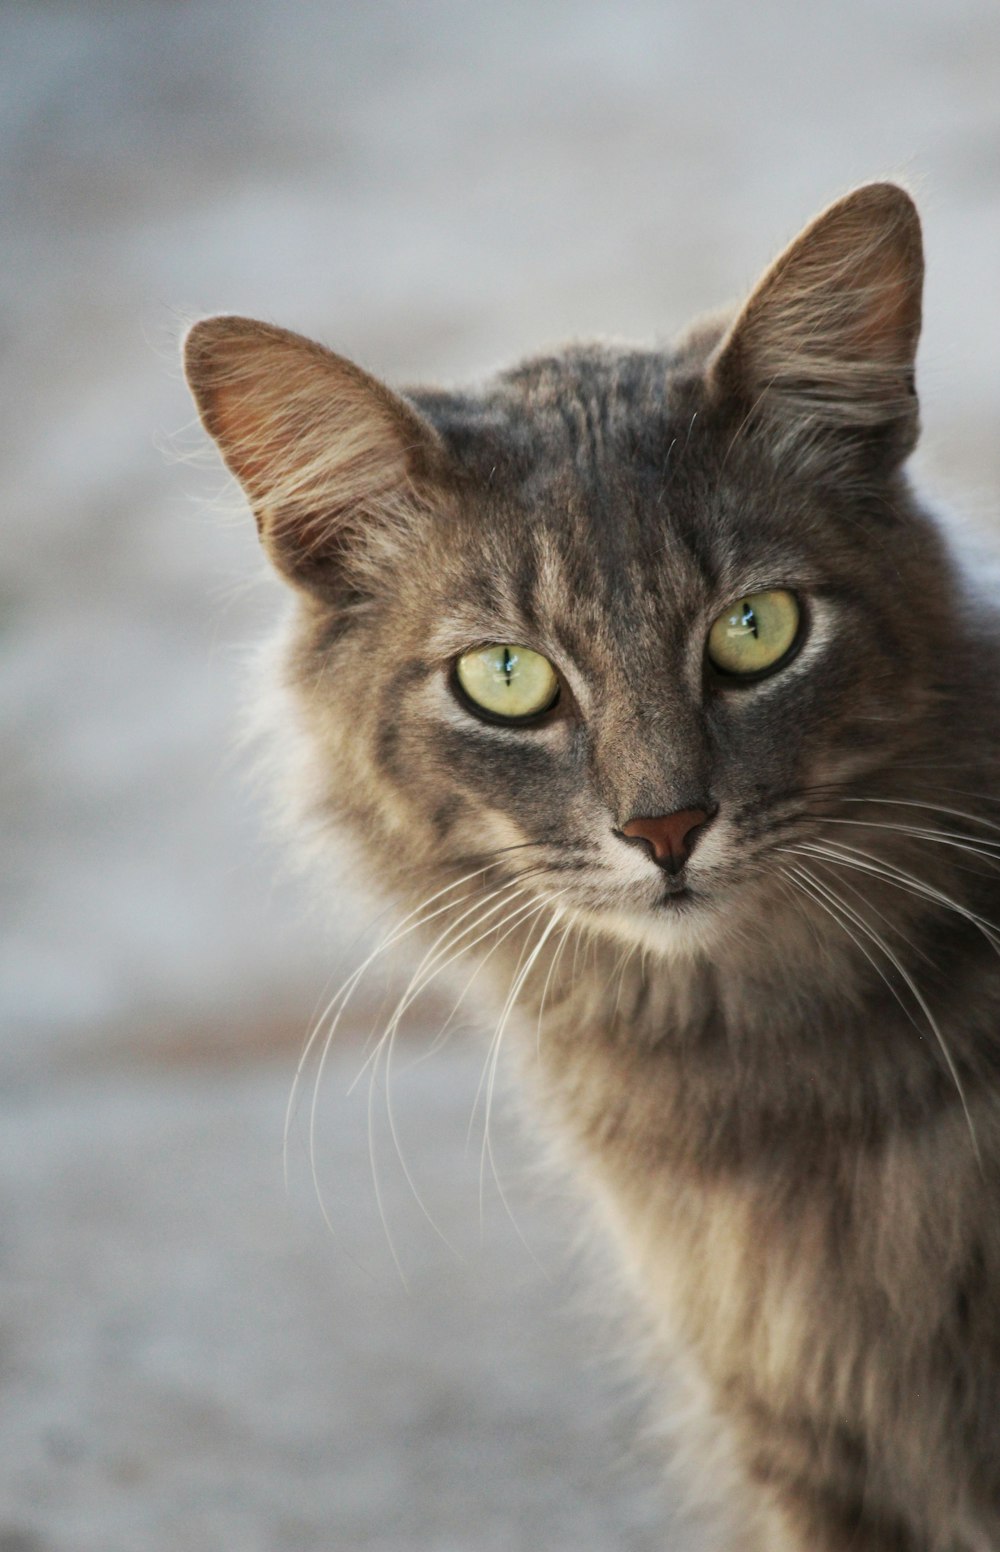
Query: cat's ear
point(326, 454)
point(821, 357)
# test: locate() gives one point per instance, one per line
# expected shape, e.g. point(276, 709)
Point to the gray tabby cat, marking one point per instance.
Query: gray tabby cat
point(659, 647)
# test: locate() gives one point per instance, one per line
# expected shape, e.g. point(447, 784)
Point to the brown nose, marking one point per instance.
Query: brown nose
point(671, 836)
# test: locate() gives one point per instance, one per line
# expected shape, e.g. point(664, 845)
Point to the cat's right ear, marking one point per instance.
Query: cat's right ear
point(328, 456)
point(820, 360)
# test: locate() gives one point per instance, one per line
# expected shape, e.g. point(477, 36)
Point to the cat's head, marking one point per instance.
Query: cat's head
point(618, 621)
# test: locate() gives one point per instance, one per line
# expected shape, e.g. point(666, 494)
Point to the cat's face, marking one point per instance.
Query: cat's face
point(620, 624)
point(612, 560)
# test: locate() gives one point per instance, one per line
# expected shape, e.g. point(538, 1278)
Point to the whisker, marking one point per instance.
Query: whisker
point(342, 995)
point(834, 905)
point(430, 964)
point(548, 981)
point(937, 808)
point(891, 873)
point(430, 967)
point(387, 1041)
point(508, 1008)
point(412, 922)
point(968, 843)
point(398, 932)
point(863, 926)
point(624, 958)
point(385, 1044)
point(811, 885)
point(537, 907)
point(373, 1164)
point(892, 926)
point(438, 958)
point(439, 1037)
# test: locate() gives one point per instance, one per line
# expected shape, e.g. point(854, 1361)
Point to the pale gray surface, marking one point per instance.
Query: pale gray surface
point(191, 1360)
point(432, 188)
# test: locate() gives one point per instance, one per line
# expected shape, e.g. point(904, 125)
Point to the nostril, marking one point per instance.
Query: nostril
point(671, 837)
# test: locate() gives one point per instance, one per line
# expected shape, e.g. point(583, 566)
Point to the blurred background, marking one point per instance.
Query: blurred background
point(190, 1357)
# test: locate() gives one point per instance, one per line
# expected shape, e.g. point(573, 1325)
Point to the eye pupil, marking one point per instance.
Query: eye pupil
point(749, 619)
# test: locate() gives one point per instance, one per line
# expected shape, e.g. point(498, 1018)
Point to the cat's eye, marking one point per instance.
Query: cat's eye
point(755, 633)
point(508, 682)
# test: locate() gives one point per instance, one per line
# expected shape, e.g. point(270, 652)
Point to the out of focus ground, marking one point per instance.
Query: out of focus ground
point(193, 1362)
point(188, 1358)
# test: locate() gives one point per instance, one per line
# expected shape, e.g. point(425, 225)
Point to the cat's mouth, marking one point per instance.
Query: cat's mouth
point(675, 896)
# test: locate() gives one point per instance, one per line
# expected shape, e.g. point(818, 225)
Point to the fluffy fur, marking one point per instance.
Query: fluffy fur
point(777, 1071)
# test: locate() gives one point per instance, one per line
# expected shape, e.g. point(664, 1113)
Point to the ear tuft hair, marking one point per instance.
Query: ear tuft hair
point(322, 450)
point(822, 354)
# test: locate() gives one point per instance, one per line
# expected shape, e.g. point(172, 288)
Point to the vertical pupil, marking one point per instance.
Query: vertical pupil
point(508, 664)
point(749, 619)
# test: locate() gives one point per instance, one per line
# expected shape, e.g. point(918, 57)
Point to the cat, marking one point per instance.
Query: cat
point(658, 650)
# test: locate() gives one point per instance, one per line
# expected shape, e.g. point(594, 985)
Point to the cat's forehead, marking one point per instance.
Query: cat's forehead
point(573, 450)
point(555, 411)
point(618, 378)
point(591, 474)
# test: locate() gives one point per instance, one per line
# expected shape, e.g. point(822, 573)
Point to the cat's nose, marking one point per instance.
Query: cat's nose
point(672, 837)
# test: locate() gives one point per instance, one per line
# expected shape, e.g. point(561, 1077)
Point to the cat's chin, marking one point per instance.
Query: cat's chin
point(681, 925)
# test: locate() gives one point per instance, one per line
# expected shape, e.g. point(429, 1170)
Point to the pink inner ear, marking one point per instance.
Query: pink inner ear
point(887, 324)
point(245, 436)
point(299, 427)
point(849, 283)
point(324, 452)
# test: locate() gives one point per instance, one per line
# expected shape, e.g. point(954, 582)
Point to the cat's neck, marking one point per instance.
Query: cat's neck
point(707, 1062)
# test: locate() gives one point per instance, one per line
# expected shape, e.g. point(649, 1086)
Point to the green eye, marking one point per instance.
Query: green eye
point(755, 633)
point(506, 681)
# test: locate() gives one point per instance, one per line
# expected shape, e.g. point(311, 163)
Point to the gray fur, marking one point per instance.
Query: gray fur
point(785, 1102)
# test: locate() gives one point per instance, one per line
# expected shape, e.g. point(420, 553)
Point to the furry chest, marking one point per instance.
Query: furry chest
point(825, 1360)
point(764, 1301)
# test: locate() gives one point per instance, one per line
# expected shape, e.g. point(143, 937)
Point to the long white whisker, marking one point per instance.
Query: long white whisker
point(328, 1043)
point(536, 908)
point(918, 997)
point(521, 976)
point(430, 965)
point(891, 873)
point(400, 931)
point(974, 844)
point(511, 922)
point(890, 925)
point(373, 1062)
point(439, 1037)
point(388, 1044)
point(435, 961)
point(548, 981)
point(619, 970)
point(812, 885)
point(580, 940)
point(937, 808)
point(373, 1163)
point(508, 1008)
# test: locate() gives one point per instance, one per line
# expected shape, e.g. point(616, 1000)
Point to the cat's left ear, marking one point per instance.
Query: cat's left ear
point(329, 458)
point(821, 357)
